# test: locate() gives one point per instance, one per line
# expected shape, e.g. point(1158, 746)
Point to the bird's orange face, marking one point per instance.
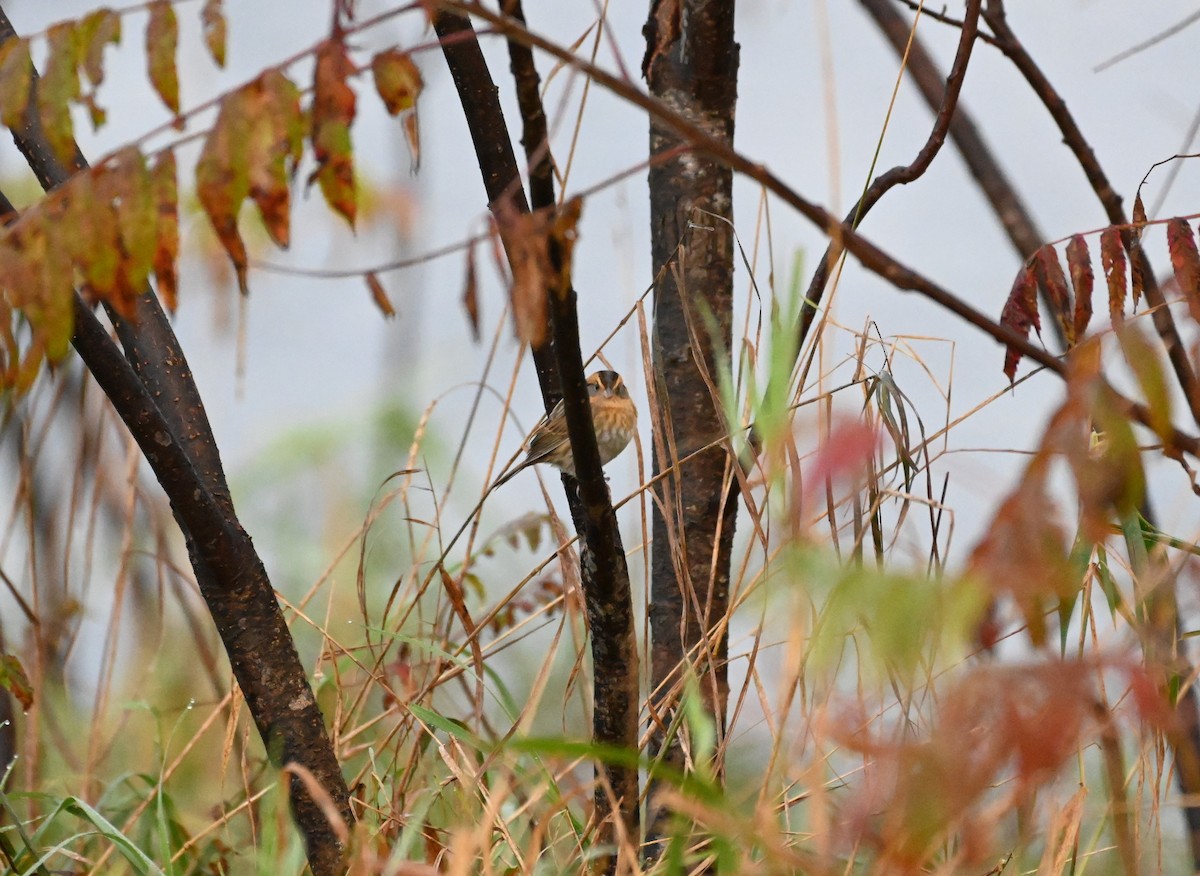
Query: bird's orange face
point(613, 413)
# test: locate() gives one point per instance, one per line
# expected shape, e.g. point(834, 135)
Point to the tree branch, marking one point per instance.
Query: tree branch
point(561, 376)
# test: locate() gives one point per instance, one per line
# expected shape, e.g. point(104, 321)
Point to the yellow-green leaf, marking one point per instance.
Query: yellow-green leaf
point(59, 86)
point(16, 75)
point(397, 80)
point(97, 30)
point(212, 17)
point(162, 40)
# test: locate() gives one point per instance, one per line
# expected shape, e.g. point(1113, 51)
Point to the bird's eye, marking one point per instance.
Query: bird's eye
point(593, 388)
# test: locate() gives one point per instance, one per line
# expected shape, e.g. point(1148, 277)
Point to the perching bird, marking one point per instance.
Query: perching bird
point(613, 414)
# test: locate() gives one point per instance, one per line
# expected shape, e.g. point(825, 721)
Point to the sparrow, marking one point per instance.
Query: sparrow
point(613, 414)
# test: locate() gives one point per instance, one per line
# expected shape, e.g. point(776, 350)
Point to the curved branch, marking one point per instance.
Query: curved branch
point(900, 175)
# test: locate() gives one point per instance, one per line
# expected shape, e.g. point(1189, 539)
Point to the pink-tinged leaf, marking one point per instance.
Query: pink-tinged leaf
point(379, 295)
point(1020, 314)
point(333, 110)
point(1051, 277)
point(59, 86)
point(162, 42)
point(212, 17)
point(1112, 259)
point(397, 80)
point(1186, 261)
point(1079, 261)
point(16, 75)
point(97, 31)
point(163, 181)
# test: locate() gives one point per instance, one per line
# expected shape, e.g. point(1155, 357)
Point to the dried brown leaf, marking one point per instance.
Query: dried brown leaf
point(379, 295)
point(1112, 259)
point(1079, 261)
point(162, 43)
point(1139, 216)
point(526, 240)
point(470, 296)
point(1020, 314)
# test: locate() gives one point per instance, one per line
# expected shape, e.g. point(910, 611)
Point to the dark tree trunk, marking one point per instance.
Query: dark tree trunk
point(691, 65)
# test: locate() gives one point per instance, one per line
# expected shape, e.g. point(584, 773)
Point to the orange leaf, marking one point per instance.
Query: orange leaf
point(166, 252)
point(1079, 260)
point(332, 113)
point(16, 75)
point(1020, 314)
point(379, 295)
point(1186, 261)
point(162, 41)
point(1112, 259)
point(212, 17)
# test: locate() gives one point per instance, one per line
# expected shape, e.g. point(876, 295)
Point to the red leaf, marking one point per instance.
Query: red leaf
point(1186, 262)
point(1112, 259)
point(162, 41)
point(379, 295)
point(1079, 260)
point(166, 252)
point(212, 17)
point(1020, 314)
point(1051, 277)
point(332, 113)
